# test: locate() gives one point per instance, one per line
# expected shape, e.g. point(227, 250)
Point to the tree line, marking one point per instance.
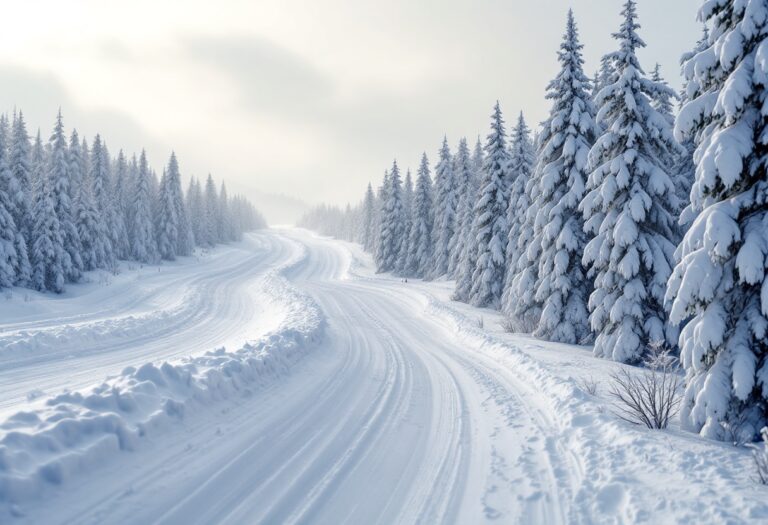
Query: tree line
point(67, 207)
point(621, 221)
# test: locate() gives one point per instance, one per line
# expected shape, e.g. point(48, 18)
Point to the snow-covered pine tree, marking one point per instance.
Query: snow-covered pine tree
point(564, 143)
point(94, 240)
point(12, 203)
point(381, 202)
point(720, 283)
point(402, 261)
point(143, 245)
point(195, 208)
point(421, 242)
point(629, 208)
point(392, 223)
point(490, 225)
point(446, 203)
point(210, 227)
point(21, 168)
point(369, 212)
point(522, 244)
point(167, 228)
point(101, 194)
point(48, 255)
point(10, 258)
point(465, 191)
point(685, 170)
point(59, 191)
point(468, 255)
point(185, 241)
point(227, 232)
point(120, 197)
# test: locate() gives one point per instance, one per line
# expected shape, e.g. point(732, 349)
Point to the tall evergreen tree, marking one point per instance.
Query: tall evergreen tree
point(120, 197)
point(143, 245)
point(48, 256)
point(491, 227)
point(522, 252)
point(167, 225)
point(392, 223)
point(226, 227)
point(12, 202)
point(101, 194)
point(566, 138)
point(465, 191)
point(11, 261)
point(59, 179)
point(210, 223)
point(629, 208)
point(720, 285)
point(369, 212)
point(402, 261)
point(19, 162)
point(184, 240)
point(421, 243)
point(446, 202)
point(468, 254)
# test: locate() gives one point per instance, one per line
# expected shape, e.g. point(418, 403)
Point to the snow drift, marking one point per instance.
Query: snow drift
point(74, 431)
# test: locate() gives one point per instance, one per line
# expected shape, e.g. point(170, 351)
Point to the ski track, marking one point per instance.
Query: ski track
point(392, 418)
point(199, 311)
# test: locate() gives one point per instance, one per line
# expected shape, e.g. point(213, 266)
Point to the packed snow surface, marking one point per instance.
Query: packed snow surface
point(279, 380)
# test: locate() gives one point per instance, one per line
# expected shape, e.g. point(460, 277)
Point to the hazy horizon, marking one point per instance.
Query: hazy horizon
point(297, 98)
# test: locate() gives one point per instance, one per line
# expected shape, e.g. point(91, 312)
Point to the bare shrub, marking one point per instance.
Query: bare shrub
point(760, 456)
point(588, 385)
point(646, 398)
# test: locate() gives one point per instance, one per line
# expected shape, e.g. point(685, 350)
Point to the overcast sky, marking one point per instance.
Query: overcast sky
point(312, 98)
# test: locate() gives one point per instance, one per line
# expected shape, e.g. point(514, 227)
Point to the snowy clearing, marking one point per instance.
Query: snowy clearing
point(343, 397)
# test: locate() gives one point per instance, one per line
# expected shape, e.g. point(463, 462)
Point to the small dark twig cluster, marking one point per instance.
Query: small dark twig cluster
point(648, 398)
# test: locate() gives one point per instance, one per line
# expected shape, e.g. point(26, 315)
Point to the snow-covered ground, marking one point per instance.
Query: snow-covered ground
point(343, 397)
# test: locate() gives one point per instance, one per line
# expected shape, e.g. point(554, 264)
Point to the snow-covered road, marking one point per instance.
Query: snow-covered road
point(49, 344)
point(396, 416)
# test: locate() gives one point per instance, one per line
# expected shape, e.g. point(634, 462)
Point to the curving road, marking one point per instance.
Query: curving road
point(390, 420)
point(178, 310)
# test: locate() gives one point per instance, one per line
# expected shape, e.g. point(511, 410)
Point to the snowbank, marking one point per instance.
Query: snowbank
point(74, 431)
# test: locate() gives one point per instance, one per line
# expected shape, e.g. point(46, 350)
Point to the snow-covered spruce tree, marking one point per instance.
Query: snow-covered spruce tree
point(564, 143)
point(91, 228)
point(490, 225)
point(465, 191)
point(421, 243)
point(720, 283)
point(101, 194)
point(381, 201)
point(446, 200)
point(369, 211)
point(629, 208)
point(59, 190)
point(19, 162)
point(685, 169)
point(10, 262)
point(392, 223)
point(11, 187)
point(184, 239)
point(48, 255)
point(143, 245)
point(167, 227)
point(210, 214)
point(468, 255)
point(227, 229)
point(402, 261)
point(522, 250)
point(120, 197)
